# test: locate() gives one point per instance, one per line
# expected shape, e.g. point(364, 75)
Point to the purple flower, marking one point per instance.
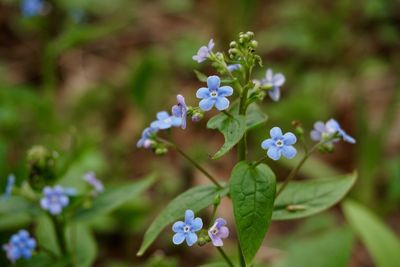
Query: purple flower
point(90, 178)
point(9, 186)
point(326, 131)
point(165, 121)
point(218, 231)
point(204, 52)
point(280, 144)
point(273, 82)
point(180, 110)
point(145, 140)
point(21, 245)
point(234, 67)
point(187, 230)
point(54, 199)
point(214, 95)
point(30, 8)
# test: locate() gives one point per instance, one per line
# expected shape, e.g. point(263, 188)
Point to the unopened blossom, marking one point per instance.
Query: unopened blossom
point(273, 83)
point(90, 178)
point(180, 110)
point(280, 144)
point(54, 199)
point(326, 132)
point(9, 186)
point(218, 231)
point(186, 230)
point(204, 52)
point(20, 245)
point(145, 139)
point(30, 8)
point(214, 95)
point(165, 121)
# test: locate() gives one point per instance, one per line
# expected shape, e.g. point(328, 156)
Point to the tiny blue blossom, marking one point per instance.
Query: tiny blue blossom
point(90, 178)
point(234, 67)
point(273, 82)
point(9, 186)
point(180, 110)
point(31, 8)
point(21, 245)
point(214, 95)
point(187, 229)
point(218, 231)
point(165, 121)
point(204, 52)
point(54, 199)
point(325, 131)
point(145, 140)
point(280, 144)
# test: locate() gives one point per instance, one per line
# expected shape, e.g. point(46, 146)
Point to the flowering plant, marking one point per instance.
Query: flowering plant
point(256, 196)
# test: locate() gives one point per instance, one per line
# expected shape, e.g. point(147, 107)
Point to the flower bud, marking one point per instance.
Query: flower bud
point(233, 44)
point(42, 166)
point(161, 150)
point(253, 43)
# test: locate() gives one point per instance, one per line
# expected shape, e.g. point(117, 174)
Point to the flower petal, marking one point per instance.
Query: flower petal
point(267, 143)
point(332, 126)
point(197, 224)
point(189, 216)
point(176, 111)
point(269, 75)
point(220, 222)
point(319, 126)
point(178, 226)
point(222, 103)
point(279, 79)
point(178, 238)
point(162, 115)
point(210, 45)
point(191, 239)
point(274, 153)
point(289, 138)
point(176, 121)
point(213, 82)
point(275, 93)
point(289, 151)
point(203, 92)
point(225, 91)
point(207, 103)
point(315, 135)
point(55, 209)
point(223, 232)
point(216, 240)
point(276, 132)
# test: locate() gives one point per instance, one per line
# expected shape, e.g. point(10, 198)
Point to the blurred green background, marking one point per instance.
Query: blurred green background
point(84, 78)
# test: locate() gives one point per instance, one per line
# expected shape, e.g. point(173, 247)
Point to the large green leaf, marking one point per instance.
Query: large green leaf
point(253, 191)
point(232, 127)
point(17, 204)
point(112, 198)
point(82, 244)
point(196, 199)
point(302, 199)
point(46, 235)
point(381, 242)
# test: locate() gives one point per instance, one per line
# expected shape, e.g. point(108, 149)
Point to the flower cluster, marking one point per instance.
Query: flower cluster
point(330, 132)
point(21, 245)
point(9, 186)
point(186, 230)
point(54, 199)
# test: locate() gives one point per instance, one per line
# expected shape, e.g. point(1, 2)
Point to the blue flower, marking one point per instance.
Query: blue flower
point(273, 82)
point(234, 67)
point(54, 199)
point(21, 245)
point(165, 121)
point(214, 95)
point(90, 178)
point(218, 231)
point(180, 110)
point(326, 131)
point(204, 52)
point(280, 144)
point(145, 140)
point(9, 186)
point(30, 8)
point(186, 230)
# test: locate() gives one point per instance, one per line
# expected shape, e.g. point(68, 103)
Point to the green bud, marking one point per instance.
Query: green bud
point(160, 150)
point(299, 131)
point(233, 44)
point(41, 166)
point(250, 35)
point(253, 43)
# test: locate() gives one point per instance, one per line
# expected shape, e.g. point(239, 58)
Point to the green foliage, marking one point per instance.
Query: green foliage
point(82, 245)
point(306, 198)
point(381, 242)
point(232, 127)
point(196, 199)
point(253, 191)
point(46, 235)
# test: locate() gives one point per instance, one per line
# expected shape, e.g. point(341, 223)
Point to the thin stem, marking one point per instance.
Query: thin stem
point(241, 257)
point(258, 162)
point(226, 258)
point(227, 113)
point(188, 158)
point(59, 228)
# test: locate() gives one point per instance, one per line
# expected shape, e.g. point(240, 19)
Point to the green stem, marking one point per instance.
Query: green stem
point(258, 162)
point(241, 257)
point(188, 158)
point(226, 258)
point(59, 228)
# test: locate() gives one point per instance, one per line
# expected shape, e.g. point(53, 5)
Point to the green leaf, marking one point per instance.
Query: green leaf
point(302, 199)
point(253, 191)
point(381, 242)
point(12, 221)
point(46, 235)
point(83, 245)
point(233, 129)
point(196, 199)
point(42, 259)
point(17, 204)
point(200, 76)
point(112, 198)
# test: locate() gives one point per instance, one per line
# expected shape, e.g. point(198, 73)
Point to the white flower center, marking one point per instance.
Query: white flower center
point(279, 143)
point(214, 231)
point(214, 94)
point(186, 228)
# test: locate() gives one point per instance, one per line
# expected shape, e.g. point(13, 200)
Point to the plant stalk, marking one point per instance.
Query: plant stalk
point(226, 258)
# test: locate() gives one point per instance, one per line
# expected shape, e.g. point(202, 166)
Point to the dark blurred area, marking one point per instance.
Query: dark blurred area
point(84, 77)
